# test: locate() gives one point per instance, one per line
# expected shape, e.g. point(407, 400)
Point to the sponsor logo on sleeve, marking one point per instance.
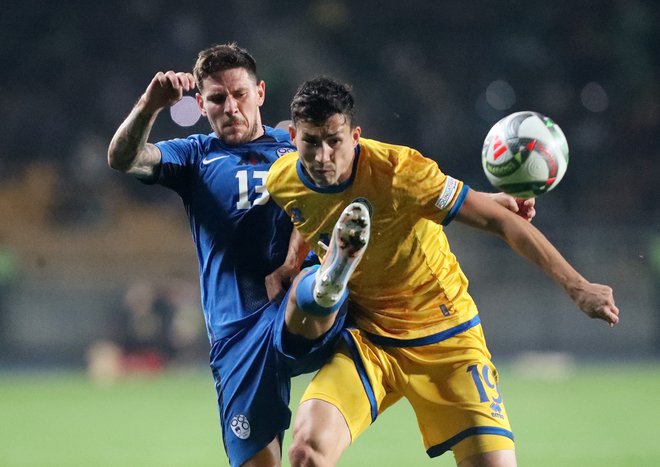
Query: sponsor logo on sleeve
point(448, 193)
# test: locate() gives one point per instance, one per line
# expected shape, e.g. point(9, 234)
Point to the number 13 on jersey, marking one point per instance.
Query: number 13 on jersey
point(258, 179)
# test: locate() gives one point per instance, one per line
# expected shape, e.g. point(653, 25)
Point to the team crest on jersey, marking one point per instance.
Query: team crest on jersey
point(240, 426)
point(296, 215)
point(283, 150)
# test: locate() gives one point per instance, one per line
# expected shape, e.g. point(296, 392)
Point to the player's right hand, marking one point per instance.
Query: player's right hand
point(166, 89)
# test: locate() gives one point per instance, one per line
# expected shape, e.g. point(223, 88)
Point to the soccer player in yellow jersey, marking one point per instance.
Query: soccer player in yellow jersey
point(418, 333)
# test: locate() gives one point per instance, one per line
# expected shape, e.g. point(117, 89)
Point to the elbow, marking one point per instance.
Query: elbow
point(115, 161)
point(112, 162)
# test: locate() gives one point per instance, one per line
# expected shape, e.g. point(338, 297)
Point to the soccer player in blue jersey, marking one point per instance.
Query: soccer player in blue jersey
point(241, 237)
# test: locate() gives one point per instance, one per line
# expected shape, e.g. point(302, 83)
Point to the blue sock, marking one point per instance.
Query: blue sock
point(305, 295)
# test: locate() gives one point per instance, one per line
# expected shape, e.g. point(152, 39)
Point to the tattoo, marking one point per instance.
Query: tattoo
point(129, 151)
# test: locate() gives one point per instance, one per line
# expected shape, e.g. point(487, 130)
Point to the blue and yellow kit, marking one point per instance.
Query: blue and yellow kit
point(419, 334)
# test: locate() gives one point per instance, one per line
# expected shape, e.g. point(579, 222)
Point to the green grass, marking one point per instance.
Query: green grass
point(600, 416)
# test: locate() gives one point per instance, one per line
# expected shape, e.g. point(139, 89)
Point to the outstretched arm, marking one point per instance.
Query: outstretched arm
point(595, 300)
point(129, 151)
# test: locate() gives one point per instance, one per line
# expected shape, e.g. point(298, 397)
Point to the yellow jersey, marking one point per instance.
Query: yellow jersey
point(408, 285)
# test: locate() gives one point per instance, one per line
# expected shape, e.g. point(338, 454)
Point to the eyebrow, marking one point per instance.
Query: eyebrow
point(327, 135)
point(226, 92)
point(307, 136)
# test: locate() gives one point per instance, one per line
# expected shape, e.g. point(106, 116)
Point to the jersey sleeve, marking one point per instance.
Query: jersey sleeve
point(421, 188)
point(178, 157)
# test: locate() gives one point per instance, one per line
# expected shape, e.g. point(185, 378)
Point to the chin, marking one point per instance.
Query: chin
point(324, 182)
point(234, 138)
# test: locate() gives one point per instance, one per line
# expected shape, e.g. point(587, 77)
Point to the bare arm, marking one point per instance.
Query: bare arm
point(129, 151)
point(595, 300)
point(280, 279)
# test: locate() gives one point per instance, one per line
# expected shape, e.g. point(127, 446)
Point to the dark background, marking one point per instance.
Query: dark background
point(432, 75)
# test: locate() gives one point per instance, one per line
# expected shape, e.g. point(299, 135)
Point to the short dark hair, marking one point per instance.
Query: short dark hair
point(320, 98)
point(222, 57)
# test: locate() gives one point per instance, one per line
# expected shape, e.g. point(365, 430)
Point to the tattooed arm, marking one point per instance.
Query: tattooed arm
point(129, 151)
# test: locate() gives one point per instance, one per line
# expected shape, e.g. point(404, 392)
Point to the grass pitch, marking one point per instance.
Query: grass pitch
point(604, 415)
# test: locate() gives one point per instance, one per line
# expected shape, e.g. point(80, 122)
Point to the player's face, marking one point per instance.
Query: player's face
point(326, 152)
point(231, 100)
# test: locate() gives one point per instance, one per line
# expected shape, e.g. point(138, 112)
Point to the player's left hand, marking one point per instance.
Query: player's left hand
point(525, 208)
point(596, 301)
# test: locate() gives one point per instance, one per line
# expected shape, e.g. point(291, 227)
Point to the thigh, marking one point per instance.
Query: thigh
point(456, 397)
point(501, 458)
point(253, 390)
point(300, 355)
point(353, 381)
point(320, 434)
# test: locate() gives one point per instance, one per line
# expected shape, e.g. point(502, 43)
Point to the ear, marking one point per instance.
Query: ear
point(261, 92)
point(200, 103)
point(355, 134)
point(292, 133)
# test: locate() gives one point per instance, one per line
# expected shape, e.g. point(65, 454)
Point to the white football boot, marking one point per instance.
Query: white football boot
point(349, 241)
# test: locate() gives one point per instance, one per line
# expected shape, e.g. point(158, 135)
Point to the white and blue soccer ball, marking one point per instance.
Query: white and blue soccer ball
point(525, 154)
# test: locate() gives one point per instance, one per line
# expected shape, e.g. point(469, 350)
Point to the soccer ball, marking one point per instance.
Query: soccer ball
point(525, 154)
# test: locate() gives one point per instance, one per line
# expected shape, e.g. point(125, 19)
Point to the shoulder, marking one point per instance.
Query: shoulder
point(180, 150)
point(285, 164)
point(414, 178)
point(282, 175)
point(286, 160)
point(279, 135)
point(197, 142)
point(393, 157)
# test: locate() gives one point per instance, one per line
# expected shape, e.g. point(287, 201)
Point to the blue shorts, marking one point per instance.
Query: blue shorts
point(252, 369)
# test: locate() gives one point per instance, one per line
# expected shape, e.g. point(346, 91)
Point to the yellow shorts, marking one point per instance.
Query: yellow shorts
point(451, 385)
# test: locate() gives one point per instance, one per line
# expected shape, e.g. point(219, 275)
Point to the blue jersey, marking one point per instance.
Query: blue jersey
point(239, 233)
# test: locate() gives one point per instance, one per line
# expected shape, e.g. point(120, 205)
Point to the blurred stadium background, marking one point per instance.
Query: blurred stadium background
point(89, 257)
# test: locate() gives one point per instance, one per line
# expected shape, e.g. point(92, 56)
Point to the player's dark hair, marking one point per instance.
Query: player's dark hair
point(222, 57)
point(320, 98)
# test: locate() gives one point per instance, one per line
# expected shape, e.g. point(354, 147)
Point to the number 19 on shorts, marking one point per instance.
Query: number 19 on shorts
point(485, 384)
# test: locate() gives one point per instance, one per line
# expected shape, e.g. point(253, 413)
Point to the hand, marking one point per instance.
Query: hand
point(596, 301)
point(525, 208)
point(166, 89)
point(278, 282)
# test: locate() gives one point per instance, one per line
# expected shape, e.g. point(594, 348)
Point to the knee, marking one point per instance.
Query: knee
point(320, 435)
point(303, 454)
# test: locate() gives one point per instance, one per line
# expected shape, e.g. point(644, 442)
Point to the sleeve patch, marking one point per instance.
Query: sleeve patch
point(448, 192)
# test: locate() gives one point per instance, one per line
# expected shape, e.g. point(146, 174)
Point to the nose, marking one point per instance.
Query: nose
point(323, 153)
point(231, 106)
